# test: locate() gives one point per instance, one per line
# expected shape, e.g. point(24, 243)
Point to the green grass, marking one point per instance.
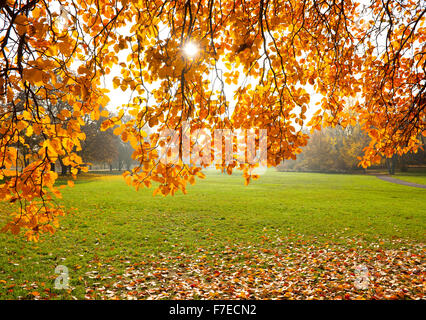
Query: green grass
point(418, 176)
point(115, 225)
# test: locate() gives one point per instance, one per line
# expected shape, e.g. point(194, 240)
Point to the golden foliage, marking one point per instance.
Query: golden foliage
point(267, 51)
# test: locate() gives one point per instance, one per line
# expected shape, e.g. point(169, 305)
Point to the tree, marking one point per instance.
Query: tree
point(270, 50)
point(353, 145)
point(331, 150)
point(99, 146)
point(125, 152)
point(321, 153)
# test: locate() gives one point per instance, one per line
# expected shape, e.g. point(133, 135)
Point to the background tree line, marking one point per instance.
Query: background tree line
point(337, 150)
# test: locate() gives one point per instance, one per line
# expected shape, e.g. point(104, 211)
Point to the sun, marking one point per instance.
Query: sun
point(190, 49)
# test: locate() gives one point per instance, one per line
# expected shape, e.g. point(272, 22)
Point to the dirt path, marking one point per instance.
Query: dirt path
point(404, 183)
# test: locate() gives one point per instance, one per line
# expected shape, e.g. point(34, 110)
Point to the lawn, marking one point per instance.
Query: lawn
point(286, 235)
point(417, 176)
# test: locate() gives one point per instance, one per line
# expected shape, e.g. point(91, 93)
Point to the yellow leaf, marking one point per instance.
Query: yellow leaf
point(30, 131)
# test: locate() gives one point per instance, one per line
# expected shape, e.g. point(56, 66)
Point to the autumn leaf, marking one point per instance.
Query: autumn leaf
point(275, 56)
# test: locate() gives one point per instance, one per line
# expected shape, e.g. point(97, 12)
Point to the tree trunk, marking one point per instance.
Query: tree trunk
point(24, 153)
point(403, 164)
point(64, 168)
point(390, 163)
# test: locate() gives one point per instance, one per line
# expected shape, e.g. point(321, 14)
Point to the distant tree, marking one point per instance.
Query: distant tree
point(320, 154)
point(354, 141)
point(125, 152)
point(99, 146)
point(331, 149)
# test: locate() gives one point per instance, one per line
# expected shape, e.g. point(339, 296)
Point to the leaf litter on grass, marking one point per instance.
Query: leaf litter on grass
point(291, 269)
